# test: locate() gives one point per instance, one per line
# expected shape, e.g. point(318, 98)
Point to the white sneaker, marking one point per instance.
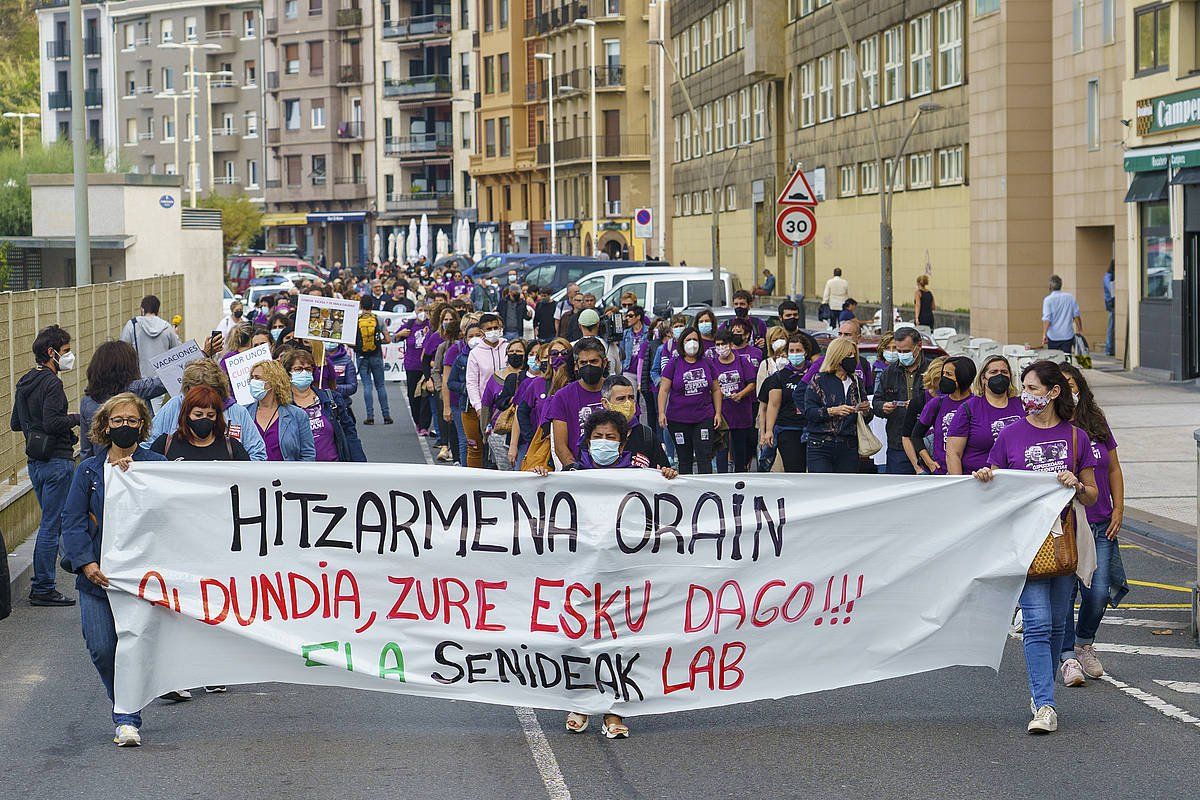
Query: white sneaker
point(1087, 657)
point(1018, 622)
point(216, 689)
point(127, 736)
point(1071, 672)
point(1045, 720)
point(177, 696)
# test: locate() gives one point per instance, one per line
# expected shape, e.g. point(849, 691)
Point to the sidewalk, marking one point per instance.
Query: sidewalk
point(1153, 425)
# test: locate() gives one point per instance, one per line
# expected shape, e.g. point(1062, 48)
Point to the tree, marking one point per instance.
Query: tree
point(241, 219)
point(19, 78)
point(16, 205)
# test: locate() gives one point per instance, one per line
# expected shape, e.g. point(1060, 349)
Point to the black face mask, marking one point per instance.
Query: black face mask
point(790, 325)
point(741, 312)
point(201, 428)
point(999, 384)
point(124, 436)
point(591, 374)
point(237, 314)
point(737, 339)
point(849, 365)
point(947, 386)
point(516, 360)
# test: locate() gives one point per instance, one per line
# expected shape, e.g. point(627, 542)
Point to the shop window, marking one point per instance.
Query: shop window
point(1152, 39)
point(1157, 254)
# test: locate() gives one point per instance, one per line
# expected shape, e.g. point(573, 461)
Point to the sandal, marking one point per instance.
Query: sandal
point(614, 727)
point(576, 722)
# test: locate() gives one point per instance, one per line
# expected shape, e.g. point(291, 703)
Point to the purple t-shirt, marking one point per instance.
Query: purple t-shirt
point(734, 378)
point(750, 353)
point(491, 390)
point(533, 394)
point(691, 399)
point(939, 414)
point(1102, 509)
point(432, 342)
point(322, 431)
point(270, 438)
point(451, 354)
point(981, 422)
point(573, 404)
point(1023, 446)
point(415, 343)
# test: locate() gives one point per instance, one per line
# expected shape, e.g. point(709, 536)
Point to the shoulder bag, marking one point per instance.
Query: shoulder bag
point(1059, 554)
point(868, 442)
point(39, 445)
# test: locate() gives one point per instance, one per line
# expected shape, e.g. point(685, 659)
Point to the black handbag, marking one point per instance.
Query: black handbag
point(39, 445)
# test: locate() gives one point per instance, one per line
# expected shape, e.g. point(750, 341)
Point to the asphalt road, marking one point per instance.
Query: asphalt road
point(951, 733)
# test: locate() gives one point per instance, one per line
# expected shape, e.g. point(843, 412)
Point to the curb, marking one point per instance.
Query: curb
point(1178, 545)
point(20, 561)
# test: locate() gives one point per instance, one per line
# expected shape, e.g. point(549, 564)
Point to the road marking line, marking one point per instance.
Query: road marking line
point(539, 746)
point(1138, 623)
point(1159, 606)
point(1139, 650)
point(1186, 687)
point(1153, 701)
point(1170, 587)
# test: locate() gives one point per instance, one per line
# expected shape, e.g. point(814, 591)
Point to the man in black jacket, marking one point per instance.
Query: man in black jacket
point(897, 387)
point(513, 311)
point(40, 412)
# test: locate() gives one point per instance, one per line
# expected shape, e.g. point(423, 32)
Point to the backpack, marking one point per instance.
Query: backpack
point(369, 333)
point(457, 382)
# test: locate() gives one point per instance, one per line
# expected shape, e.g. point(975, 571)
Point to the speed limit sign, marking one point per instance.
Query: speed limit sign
point(796, 225)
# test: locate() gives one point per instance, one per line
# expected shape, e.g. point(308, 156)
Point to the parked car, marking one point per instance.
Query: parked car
point(602, 281)
point(227, 299)
point(459, 261)
point(241, 268)
point(671, 292)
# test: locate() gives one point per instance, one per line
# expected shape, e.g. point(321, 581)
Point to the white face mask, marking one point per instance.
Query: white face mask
point(474, 342)
point(778, 344)
point(422, 316)
point(66, 362)
point(723, 350)
point(691, 347)
point(493, 336)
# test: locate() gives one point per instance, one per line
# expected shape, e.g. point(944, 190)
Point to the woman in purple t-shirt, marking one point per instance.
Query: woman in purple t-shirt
point(1104, 518)
point(689, 404)
point(954, 387)
point(1045, 441)
point(979, 421)
point(736, 375)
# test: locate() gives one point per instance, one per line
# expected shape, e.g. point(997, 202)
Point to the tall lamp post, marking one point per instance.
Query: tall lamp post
point(712, 176)
point(191, 48)
point(591, 26)
point(174, 97)
point(79, 159)
point(549, 59)
point(21, 116)
point(208, 76)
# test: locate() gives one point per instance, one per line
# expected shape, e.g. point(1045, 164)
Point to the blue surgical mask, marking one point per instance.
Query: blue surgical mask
point(258, 388)
point(705, 328)
point(604, 451)
point(907, 359)
point(276, 333)
point(797, 359)
point(677, 331)
point(534, 364)
point(891, 356)
point(302, 380)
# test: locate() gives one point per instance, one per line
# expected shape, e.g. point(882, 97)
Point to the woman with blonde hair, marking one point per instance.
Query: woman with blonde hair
point(832, 402)
point(978, 422)
point(285, 429)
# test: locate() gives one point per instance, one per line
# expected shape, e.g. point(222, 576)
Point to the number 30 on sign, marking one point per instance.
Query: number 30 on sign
point(795, 226)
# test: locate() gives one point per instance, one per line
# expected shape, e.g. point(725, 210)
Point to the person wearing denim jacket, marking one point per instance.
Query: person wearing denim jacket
point(832, 403)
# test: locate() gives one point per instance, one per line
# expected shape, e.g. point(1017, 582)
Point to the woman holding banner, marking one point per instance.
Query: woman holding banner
point(833, 403)
point(285, 429)
point(1046, 441)
point(200, 432)
point(117, 427)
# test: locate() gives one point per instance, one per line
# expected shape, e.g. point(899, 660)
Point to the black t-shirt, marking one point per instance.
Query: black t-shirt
point(183, 450)
point(391, 304)
point(646, 451)
point(786, 380)
point(543, 319)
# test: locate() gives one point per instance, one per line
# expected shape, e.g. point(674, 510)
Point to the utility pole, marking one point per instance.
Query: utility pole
point(79, 159)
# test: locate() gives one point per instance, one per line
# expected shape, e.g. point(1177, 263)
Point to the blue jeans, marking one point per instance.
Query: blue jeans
point(1110, 340)
point(456, 409)
point(898, 463)
point(1094, 600)
point(370, 371)
point(435, 417)
point(1045, 609)
point(100, 634)
point(51, 480)
point(833, 455)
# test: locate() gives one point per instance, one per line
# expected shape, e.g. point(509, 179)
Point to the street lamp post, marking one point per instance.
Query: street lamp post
point(79, 159)
point(208, 76)
point(21, 116)
point(716, 187)
point(191, 48)
point(591, 26)
point(173, 96)
point(549, 58)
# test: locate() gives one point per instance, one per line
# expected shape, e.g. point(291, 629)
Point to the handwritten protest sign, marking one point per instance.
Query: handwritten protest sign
point(327, 318)
point(169, 366)
point(239, 366)
point(597, 591)
point(393, 354)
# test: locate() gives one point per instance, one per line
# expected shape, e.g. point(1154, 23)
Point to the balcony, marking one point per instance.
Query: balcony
point(225, 40)
point(318, 180)
point(610, 76)
point(274, 184)
point(227, 180)
point(349, 18)
point(93, 98)
point(415, 29)
point(225, 140)
point(417, 202)
point(420, 145)
point(352, 130)
point(272, 81)
point(225, 90)
point(146, 136)
point(272, 25)
point(350, 187)
point(555, 18)
point(579, 149)
point(417, 87)
point(350, 74)
point(143, 41)
point(273, 136)
point(58, 49)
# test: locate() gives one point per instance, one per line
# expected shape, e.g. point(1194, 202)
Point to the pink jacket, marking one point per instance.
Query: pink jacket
point(482, 362)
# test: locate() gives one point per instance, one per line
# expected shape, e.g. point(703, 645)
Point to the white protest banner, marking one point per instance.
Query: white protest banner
point(593, 591)
point(169, 366)
point(239, 366)
point(394, 319)
point(393, 354)
point(327, 318)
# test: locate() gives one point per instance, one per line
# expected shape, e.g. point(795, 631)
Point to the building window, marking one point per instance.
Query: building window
point(807, 95)
point(612, 195)
point(291, 59)
point(317, 113)
point(1108, 21)
point(730, 29)
point(316, 58)
point(825, 87)
point(758, 96)
point(1157, 253)
point(488, 15)
point(868, 57)
point(466, 130)
point(489, 75)
point(168, 127)
point(920, 57)
point(166, 29)
point(687, 136)
point(696, 136)
point(502, 7)
point(744, 108)
point(986, 6)
point(696, 63)
point(1152, 42)
point(291, 115)
point(464, 15)
point(730, 120)
point(249, 74)
point(950, 45)
point(130, 37)
point(505, 136)
point(846, 181)
point(1077, 25)
point(731, 198)
point(718, 29)
point(504, 72)
point(1093, 114)
point(189, 29)
point(869, 184)
point(678, 144)
point(685, 53)
point(741, 28)
point(719, 124)
point(318, 170)
point(489, 138)
point(895, 184)
point(250, 123)
point(687, 204)
point(248, 25)
point(706, 117)
point(168, 79)
point(950, 166)
point(920, 170)
point(315, 7)
point(678, 206)
point(706, 35)
point(291, 9)
point(464, 71)
point(848, 83)
point(893, 65)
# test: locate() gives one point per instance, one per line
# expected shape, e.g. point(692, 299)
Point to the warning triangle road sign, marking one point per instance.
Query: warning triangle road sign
point(798, 192)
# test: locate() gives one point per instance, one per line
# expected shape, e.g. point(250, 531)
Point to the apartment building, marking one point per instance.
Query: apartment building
point(203, 126)
point(319, 65)
point(464, 81)
point(416, 172)
point(1160, 109)
point(99, 90)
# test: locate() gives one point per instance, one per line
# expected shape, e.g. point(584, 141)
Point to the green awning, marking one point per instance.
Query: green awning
point(1147, 187)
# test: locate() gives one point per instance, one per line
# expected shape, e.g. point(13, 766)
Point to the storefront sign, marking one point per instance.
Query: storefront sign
point(330, 216)
point(1169, 112)
point(1185, 156)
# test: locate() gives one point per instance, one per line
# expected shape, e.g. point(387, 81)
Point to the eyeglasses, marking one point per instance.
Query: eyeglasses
point(116, 422)
point(558, 352)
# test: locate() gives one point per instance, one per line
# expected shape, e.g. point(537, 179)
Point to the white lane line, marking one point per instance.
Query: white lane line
point(1153, 701)
point(1139, 623)
point(1138, 650)
point(539, 746)
point(1185, 687)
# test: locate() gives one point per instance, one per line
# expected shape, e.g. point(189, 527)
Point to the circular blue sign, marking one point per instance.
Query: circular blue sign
point(166, 201)
point(643, 216)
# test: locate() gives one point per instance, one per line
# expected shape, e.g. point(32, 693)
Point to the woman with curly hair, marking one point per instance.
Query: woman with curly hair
point(285, 429)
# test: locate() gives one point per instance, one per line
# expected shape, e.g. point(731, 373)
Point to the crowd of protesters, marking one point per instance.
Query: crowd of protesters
point(500, 376)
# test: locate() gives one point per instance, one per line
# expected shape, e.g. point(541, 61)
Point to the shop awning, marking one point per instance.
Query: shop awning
point(337, 216)
point(1147, 187)
point(1188, 176)
point(277, 220)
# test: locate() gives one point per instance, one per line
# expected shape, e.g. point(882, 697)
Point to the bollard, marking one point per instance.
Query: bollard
point(1196, 584)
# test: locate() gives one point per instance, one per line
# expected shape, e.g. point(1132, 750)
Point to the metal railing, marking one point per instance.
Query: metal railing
point(93, 98)
point(578, 148)
point(274, 183)
point(272, 81)
point(555, 18)
point(218, 35)
point(349, 17)
point(420, 201)
point(350, 180)
point(272, 25)
point(350, 130)
point(58, 101)
point(419, 144)
point(58, 48)
point(350, 73)
point(145, 136)
point(226, 180)
point(418, 27)
point(230, 131)
point(417, 86)
point(273, 136)
point(317, 180)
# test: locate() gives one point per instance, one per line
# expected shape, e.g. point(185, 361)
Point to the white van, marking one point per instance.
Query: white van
point(677, 289)
point(602, 281)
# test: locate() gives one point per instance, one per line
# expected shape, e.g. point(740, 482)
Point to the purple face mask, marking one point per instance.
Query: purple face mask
point(557, 360)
